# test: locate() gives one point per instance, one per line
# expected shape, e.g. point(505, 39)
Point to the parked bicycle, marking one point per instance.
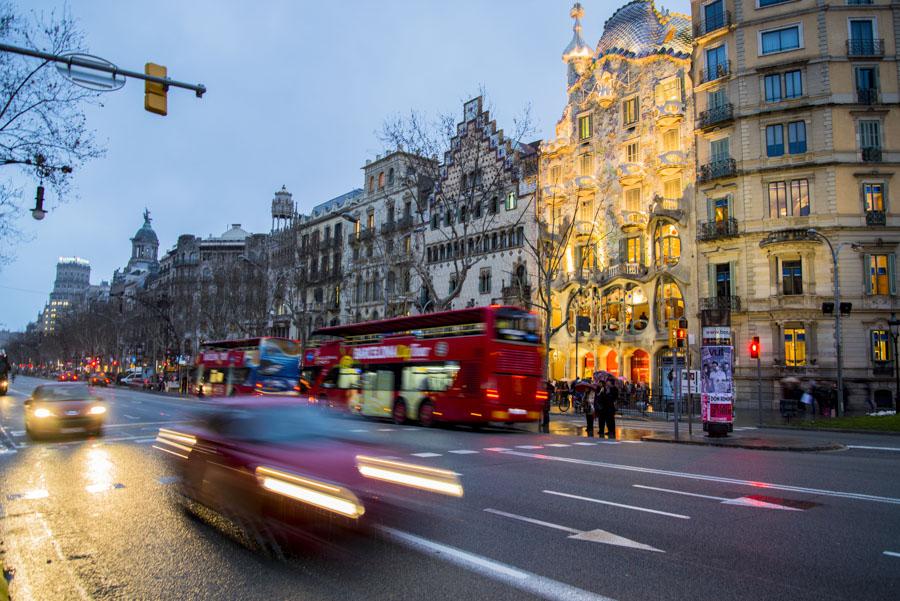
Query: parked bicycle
point(562, 400)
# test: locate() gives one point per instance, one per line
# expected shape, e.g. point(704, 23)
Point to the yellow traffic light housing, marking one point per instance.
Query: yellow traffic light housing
point(155, 93)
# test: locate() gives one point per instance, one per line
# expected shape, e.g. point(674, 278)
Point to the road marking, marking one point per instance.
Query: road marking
point(703, 477)
point(496, 449)
point(17, 432)
point(95, 488)
point(634, 507)
point(144, 440)
point(540, 586)
point(131, 416)
point(557, 444)
point(463, 452)
point(586, 444)
point(426, 454)
point(360, 430)
point(892, 553)
point(387, 429)
point(741, 501)
point(680, 492)
point(596, 536)
point(167, 479)
point(29, 495)
point(529, 446)
point(170, 422)
point(5, 451)
point(408, 428)
point(859, 446)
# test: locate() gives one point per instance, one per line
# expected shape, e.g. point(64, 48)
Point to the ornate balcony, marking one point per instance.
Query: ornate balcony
point(638, 218)
point(719, 71)
point(583, 227)
point(388, 226)
point(867, 95)
point(404, 223)
point(671, 162)
point(865, 47)
point(717, 115)
point(668, 207)
point(352, 239)
point(871, 154)
point(630, 173)
point(623, 270)
point(883, 368)
point(586, 182)
point(553, 193)
point(603, 94)
point(876, 218)
point(717, 169)
point(714, 230)
point(670, 113)
point(720, 303)
point(787, 236)
point(516, 292)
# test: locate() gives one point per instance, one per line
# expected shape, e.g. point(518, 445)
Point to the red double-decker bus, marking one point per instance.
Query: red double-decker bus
point(473, 366)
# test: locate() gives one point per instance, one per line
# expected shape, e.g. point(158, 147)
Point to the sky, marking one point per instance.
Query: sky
point(297, 91)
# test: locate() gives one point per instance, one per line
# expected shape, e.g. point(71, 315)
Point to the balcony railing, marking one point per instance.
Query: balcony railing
point(628, 269)
point(717, 169)
point(715, 72)
point(865, 47)
point(516, 292)
point(871, 154)
point(883, 368)
point(867, 96)
point(788, 235)
point(667, 206)
point(720, 303)
point(388, 226)
point(713, 230)
point(876, 218)
point(404, 222)
point(712, 22)
point(716, 115)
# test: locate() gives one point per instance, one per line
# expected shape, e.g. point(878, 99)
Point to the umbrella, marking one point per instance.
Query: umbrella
point(790, 380)
point(582, 385)
point(603, 375)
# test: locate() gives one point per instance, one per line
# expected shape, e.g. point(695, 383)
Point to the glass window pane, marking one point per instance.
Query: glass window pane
point(793, 84)
point(774, 140)
point(773, 88)
point(800, 197)
point(797, 137)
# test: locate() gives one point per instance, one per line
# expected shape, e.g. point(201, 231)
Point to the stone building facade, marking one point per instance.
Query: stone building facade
point(617, 189)
point(796, 120)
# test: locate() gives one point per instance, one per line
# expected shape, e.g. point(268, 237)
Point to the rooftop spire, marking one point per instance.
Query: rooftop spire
point(577, 48)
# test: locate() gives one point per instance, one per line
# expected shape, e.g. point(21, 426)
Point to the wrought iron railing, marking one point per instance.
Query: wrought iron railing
point(865, 47)
point(720, 303)
point(717, 169)
point(876, 218)
point(715, 72)
point(716, 115)
point(712, 230)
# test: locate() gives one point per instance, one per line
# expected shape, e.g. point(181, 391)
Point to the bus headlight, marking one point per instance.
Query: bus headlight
point(407, 474)
point(336, 499)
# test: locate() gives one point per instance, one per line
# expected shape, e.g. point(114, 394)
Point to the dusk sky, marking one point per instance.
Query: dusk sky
point(296, 94)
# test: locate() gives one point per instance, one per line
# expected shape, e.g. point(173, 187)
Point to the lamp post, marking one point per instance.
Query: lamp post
point(894, 325)
point(837, 314)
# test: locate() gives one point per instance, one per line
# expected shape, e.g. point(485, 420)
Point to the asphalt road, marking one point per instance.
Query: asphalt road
point(544, 516)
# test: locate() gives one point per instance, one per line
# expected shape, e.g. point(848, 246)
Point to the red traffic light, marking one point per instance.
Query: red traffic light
point(754, 348)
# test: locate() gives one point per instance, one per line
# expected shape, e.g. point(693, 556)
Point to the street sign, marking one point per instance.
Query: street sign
point(86, 77)
point(690, 381)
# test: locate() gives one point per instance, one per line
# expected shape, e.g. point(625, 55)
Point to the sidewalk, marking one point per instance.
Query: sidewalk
point(758, 440)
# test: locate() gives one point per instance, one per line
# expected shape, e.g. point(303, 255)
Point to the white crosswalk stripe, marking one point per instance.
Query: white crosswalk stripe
point(426, 454)
point(463, 452)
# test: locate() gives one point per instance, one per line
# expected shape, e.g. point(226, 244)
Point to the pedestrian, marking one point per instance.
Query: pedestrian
point(588, 406)
point(545, 418)
point(183, 390)
point(605, 407)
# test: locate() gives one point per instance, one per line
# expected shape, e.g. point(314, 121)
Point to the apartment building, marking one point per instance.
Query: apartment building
point(796, 127)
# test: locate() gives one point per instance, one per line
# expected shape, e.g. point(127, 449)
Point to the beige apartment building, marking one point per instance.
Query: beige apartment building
point(617, 189)
point(797, 125)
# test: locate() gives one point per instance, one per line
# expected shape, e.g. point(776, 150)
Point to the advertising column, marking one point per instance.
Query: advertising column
point(717, 381)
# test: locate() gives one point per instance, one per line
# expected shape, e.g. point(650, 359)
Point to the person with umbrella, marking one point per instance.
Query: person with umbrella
point(585, 390)
point(605, 407)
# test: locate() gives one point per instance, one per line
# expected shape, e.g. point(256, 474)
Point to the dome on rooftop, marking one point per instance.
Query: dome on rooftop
point(146, 233)
point(638, 29)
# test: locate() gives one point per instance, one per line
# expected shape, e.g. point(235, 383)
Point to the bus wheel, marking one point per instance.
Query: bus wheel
point(426, 414)
point(399, 413)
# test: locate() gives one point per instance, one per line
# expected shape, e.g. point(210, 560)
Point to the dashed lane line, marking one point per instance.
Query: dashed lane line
point(131, 416)
point(463, 452)
point(425, 455)
point(872, 448)
point(529, 446)
point(620, 505)
point(557, 444)
point(892, 554)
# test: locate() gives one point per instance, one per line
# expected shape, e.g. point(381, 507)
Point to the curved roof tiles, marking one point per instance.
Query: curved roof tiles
point(638, 29)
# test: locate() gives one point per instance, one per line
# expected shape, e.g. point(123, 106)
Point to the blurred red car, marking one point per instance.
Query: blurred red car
point(99, 379)
point(67, 376)
point(275, 465)
point(63, 408)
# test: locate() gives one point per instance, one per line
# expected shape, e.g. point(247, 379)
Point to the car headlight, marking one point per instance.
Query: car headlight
point(41, 412)
point(97, 410)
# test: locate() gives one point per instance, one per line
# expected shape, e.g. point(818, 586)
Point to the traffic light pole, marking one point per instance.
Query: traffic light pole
point(74, 61)
point(675, 386)
point(759, 390)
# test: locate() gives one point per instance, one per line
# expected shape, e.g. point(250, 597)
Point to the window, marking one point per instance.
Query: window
point(718, 150)
point(873, 196)
point(633, 199)
point(554, 174)
point(407, 245)
point(797, 137)
point(793, 84)
point(881, 350)
point(714, 16)
point(370, 221)
point(716, 99)
point(391, 177)
point(493, 206)
point(880, 281)
point(794, 347)
point(671, 140)
point(452, 285)
point(866, 80)
point(585, 123)
point(586, 210)
point(722, 275)
point(586, 258)
point(484, 281)
point(862, 37)
point(435, 221)
point(512, 201)
point(774, 140)
point(764, 3)
point(476, 210)
point(586, 164)
point(869, 133)
point(668, 245)
point(669, 302)
point(780, 205)
point(633, 250)
point(630, 110)
point(791, 277)
point(672, 188)
point(783, 86)
point(632, 152)
point(381, 180)
point(720, 209)
point(780, 40)
point(669, 90)
point(773, 88)
point(716, 63)
point(371, 183)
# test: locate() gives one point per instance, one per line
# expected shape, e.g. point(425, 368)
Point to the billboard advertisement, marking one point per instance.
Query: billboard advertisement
point(717, 384)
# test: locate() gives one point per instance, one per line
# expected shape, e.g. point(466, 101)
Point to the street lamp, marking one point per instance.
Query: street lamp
point(837, 312)
point(894, 325)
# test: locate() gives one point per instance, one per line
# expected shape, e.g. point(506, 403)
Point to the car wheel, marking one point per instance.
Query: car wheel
point(399, 413)
point(426, 414)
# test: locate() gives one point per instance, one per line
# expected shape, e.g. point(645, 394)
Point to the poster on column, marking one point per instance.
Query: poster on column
point(716, 384)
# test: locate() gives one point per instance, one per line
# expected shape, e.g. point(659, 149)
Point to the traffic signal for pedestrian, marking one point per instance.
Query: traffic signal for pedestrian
point(754, 348)
point(155, 93)
point(681, 337)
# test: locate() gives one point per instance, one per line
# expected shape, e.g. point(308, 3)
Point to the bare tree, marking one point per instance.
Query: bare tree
point(43, 131)
point(478, 165)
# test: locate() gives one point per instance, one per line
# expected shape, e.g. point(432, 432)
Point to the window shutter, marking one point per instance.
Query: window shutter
point(711, 269)
point(710, 209)
point(730, 198)
point(892, 274)
point(732, 271)
point(867, 275)
point(623, 249)
point(873, 341)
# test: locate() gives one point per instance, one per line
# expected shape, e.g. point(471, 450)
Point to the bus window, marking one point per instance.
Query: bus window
point(384, 380)
point(516, 326)
point(434, 378)
point(348, 378)
point(214, 376)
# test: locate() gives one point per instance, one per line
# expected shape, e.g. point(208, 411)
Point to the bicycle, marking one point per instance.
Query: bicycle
point(562, 401)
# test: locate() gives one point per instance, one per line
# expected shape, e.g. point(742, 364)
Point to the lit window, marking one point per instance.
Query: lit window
point(630, 111)
point(873, 196)
point(669, 90)
point(794, 347)
point(780, 205)
point(586, 210)
point(668, 245)
point(633, 199)
point(881, 350)
point(584, 127)
point(633, 250)
point(672, 188)
point(512, 201)
point(881, 274)
point(671, 140)
point(586, 164)
point(632, 152)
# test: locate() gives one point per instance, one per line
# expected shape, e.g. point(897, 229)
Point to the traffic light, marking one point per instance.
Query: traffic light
point(155, 93)
point(681, 337)
point(754, 348)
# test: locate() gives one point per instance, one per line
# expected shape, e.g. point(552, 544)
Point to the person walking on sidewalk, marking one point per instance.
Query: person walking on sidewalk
point(587, 404)
point(605, 406)
point(548, 402)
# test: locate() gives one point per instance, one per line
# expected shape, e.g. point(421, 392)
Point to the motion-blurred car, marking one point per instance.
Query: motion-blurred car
point(99, 379)
point(133, 381)
point(67, 376)
point(63, 409)
point(273, 465)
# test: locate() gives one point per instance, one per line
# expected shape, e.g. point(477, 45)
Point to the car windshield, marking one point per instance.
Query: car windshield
point(61, 393)
point(277, 424)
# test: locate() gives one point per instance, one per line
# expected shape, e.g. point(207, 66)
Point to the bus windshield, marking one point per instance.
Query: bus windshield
point(516, 326)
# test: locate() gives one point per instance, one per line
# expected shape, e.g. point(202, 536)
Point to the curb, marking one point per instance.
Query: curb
point(832, 446)
point(835, 430)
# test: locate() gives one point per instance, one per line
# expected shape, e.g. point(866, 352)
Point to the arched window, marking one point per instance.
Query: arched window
point(520, 236)
point(381, 180)
point(637, 309)
point(371, 183)
point(374, 315)
point(521, 276)
point(667, 245)
point(669, 302)
point(612, 311)
point(391, 176)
